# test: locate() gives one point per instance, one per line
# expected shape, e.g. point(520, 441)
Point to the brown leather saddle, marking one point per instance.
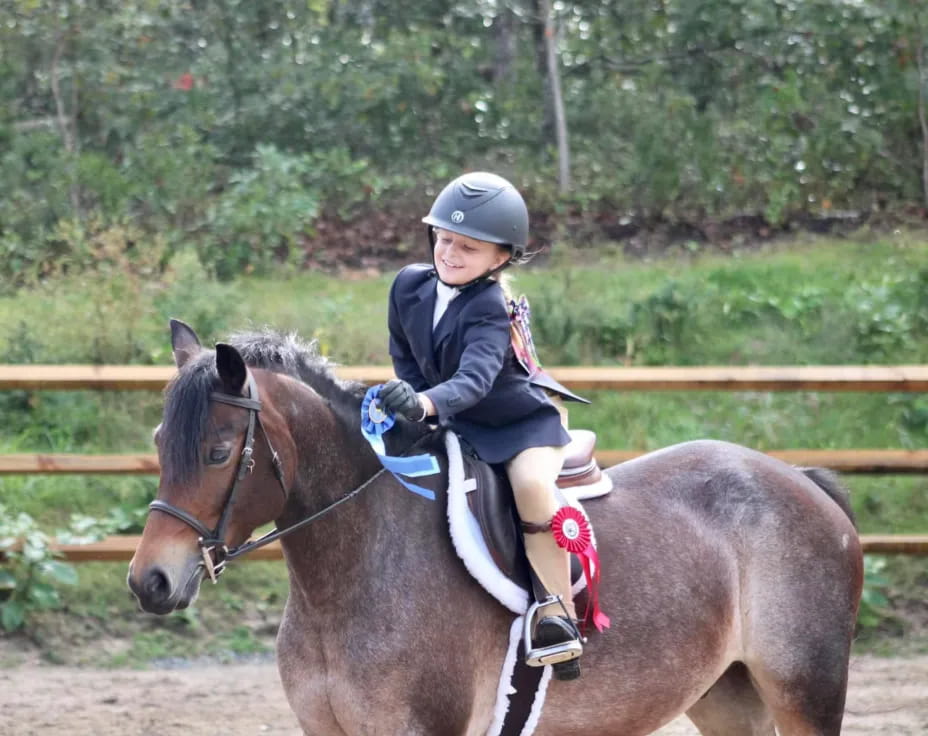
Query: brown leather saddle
point(490, 500)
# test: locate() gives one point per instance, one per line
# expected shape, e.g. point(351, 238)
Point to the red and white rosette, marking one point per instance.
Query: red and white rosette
point(572, 532)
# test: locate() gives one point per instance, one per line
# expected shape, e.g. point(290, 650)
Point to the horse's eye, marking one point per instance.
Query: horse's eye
point(218, 455)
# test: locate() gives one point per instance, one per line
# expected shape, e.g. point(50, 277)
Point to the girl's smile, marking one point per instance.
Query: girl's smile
point(460, 259)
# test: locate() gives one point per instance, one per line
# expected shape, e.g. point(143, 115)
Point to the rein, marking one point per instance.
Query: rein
point(216, 553)
point(276, 534)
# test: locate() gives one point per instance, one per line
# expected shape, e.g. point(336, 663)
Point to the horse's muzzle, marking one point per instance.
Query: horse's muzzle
point(156, 591)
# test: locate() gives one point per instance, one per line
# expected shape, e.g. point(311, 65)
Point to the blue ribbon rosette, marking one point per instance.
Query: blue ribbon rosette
point(375, 422)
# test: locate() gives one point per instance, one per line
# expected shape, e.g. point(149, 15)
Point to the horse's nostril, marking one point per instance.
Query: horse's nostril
point(156, 585)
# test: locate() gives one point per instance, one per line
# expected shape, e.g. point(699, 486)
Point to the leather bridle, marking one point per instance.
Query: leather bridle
point(214, 550)
point(212, 541)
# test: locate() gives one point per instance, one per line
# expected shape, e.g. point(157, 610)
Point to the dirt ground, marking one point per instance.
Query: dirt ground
point(887, 696)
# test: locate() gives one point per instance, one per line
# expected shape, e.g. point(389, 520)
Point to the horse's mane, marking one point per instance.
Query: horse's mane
point(186, 405)
point(288, 354)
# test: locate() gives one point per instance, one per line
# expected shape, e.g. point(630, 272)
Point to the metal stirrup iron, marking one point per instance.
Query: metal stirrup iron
point(539, 656)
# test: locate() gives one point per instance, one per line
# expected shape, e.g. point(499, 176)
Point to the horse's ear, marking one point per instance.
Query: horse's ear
point(184, 342)
point(231, 367)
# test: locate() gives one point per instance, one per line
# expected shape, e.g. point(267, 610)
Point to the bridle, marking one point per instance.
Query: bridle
point(212, 541)
point(214, 550)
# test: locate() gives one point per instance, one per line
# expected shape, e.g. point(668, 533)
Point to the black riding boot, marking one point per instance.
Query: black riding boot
point(557, 642)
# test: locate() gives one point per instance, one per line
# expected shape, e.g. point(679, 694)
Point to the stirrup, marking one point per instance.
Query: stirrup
point(563, 651)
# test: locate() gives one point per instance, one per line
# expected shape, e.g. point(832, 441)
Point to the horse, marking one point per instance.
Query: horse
point(732, 579)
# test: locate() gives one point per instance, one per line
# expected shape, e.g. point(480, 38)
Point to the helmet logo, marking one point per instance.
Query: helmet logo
point(457, 217)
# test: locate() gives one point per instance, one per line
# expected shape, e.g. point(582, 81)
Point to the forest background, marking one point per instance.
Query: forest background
point(722, 181)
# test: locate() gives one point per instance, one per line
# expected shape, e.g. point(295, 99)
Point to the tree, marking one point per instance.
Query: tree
point(922, 65)
point(555, 98)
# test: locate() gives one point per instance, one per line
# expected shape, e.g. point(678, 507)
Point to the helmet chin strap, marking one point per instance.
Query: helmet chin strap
point(477, 280)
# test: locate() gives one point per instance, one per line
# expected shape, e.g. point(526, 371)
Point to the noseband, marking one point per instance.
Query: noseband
point(212, 541)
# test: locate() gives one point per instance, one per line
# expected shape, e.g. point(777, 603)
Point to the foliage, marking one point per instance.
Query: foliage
point(122, 519)
point(852, 303)
point(230, 127)
point(255, 221)
point(874, 602)
point(29, 572)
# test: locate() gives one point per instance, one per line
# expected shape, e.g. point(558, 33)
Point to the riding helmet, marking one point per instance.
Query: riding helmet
point(483, 206)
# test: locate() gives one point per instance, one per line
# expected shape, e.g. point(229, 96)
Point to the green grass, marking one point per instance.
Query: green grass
point(815, 301)
point(803, 302)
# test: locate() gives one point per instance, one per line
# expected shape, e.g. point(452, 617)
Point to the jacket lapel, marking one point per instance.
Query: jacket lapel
point(448, 320)
point(423, 305)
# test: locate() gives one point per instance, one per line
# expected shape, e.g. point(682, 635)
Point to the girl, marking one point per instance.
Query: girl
point(451, 349)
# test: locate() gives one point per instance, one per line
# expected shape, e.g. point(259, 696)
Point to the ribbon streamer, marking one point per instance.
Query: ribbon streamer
point(522, 343)
point(375, 422)
point(572, 532)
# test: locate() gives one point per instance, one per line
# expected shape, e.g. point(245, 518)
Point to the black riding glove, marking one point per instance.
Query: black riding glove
point(402, 398)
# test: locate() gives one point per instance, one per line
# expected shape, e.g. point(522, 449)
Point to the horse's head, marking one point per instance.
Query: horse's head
point(221, 474)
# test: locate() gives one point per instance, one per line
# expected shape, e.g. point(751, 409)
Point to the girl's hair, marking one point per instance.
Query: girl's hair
point(505, 280)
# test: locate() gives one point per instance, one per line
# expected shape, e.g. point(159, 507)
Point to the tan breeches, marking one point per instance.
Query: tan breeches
point(533, 475)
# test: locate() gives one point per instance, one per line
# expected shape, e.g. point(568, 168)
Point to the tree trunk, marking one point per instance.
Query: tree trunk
point(541, 66)
point(557, 101)
point(67, 122)
point(504, 31)
point(922, 117)
point(227, 34)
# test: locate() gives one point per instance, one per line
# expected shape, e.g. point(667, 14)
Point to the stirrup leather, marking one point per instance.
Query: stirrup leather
point(539, 656)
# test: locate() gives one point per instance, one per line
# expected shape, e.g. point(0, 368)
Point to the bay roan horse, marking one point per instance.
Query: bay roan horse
point(732, 579)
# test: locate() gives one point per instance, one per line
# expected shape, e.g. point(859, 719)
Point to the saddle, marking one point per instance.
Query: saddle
point(492, 504)
point(486, 534)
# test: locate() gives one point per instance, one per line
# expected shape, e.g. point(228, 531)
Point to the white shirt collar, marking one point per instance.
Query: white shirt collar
point(443, 296)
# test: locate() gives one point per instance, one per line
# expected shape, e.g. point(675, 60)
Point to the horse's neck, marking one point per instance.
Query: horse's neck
point(348, 551)
point(332, 461)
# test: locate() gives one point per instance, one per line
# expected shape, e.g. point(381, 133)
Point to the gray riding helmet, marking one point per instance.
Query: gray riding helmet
point(483, 206)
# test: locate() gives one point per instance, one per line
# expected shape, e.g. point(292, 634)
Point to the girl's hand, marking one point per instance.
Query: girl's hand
point(399, 396)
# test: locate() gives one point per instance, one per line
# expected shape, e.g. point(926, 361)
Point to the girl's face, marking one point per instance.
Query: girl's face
point(460, 259)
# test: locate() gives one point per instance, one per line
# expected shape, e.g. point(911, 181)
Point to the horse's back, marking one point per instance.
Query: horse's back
point(738, 511)
point(714, 553)
point(729, 486)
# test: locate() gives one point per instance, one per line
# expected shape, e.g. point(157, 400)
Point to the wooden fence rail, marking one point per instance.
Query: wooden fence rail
point(897, 462)
point(902, 378)
point(905, 378)
point(120, 548)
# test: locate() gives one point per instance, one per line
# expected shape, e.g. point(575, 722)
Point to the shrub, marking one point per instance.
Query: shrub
point(29, 571)
point(256, 221)
point(874, 602)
